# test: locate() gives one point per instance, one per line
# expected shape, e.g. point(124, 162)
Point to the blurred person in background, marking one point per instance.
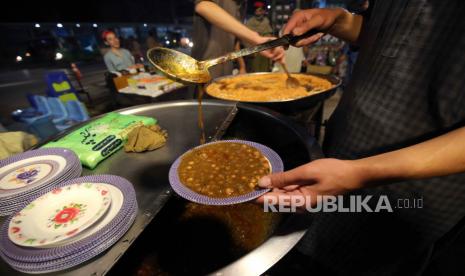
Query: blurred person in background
point(294, 58)
point(216, 26)
point(260, 23)
point(136, 49)
point(152, 41)
point(183, 46)
point(116, 58)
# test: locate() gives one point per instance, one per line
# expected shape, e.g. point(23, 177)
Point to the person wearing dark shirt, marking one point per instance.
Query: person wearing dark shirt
point(397, 131)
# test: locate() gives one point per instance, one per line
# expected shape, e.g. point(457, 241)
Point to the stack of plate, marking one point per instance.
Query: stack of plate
point(68, 225)
point(27, 174)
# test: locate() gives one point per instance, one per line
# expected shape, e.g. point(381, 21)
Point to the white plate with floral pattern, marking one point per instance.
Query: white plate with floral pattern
point(59, 214)
point(117, 198)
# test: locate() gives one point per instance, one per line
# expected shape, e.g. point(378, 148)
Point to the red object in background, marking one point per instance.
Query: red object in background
point(78, 76)
point(105, 33)
point(258, 4)
point(76, 71)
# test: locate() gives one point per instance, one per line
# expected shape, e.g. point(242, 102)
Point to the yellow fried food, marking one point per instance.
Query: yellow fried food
point(266, 87)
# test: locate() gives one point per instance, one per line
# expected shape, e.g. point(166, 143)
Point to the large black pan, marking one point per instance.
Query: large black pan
point(293, 106)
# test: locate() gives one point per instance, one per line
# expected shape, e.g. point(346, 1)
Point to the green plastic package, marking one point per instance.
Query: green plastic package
point(100, 138)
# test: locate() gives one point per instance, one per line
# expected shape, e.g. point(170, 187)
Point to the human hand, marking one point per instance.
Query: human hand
point(318, 178)
point(275, 54)
point(305, 20)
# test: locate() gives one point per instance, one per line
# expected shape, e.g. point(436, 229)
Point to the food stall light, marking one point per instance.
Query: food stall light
point(28, 54)
point(269, 6)
point(58, 56)
point(19, 58)
point(174, 40)
point(59, 25)
point(37, 25)
point(94, 25)
point(145, 25)
point(191, 44)
point(78, 25)
point(167, 42)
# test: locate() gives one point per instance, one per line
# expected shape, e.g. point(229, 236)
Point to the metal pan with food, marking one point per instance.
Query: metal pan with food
point(270, 90)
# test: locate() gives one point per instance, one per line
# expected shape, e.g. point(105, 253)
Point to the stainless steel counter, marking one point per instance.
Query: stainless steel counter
point(149, 174)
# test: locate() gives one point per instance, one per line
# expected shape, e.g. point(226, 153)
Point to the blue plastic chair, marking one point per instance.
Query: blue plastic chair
point(58, 84)
point(77, 111)
point(42, 105)
point(22, 115)
point(30, 113)
point(42, 111)
point(58, 110)
point(42, 127)
point(32, 100)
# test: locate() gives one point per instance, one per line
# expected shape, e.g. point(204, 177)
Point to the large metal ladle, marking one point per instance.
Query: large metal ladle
point(184, 68)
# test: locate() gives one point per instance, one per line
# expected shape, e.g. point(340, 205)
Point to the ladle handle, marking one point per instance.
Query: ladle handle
point(284, 40)
point(284, 66)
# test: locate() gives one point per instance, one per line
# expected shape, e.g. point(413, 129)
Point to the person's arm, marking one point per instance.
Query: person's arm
point(440, 156)
point(337, 22)
point(223, 20)
point(219, 17)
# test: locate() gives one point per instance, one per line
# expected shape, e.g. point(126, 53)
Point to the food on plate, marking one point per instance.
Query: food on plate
point(221, 170)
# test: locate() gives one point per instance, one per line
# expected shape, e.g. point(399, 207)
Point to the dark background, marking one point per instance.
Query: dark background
point(160, 11)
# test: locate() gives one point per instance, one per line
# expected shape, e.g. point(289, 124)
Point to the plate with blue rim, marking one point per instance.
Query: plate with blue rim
point(185, 192)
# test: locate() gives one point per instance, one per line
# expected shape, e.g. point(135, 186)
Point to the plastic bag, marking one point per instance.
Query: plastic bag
point(100, 138)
